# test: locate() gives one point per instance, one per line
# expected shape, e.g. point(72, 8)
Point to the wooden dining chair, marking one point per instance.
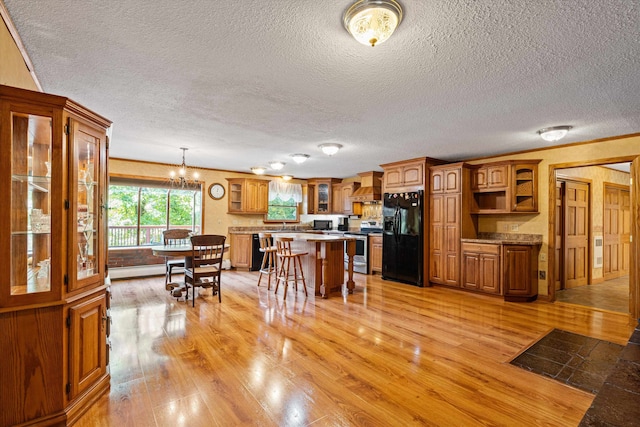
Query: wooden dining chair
point(206, 266)
point(174, 237)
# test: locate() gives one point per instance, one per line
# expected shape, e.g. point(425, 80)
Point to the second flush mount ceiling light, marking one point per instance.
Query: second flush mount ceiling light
point(554, 133)
point(330, 148)
point(372, 22)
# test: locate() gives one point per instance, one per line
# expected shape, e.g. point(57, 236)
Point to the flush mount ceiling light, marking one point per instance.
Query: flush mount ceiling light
point(258, 170)
point(287, 177)
point(372, 22)
point(299, 158)
point(276, 165)
point(330, 148)
point(554, 133)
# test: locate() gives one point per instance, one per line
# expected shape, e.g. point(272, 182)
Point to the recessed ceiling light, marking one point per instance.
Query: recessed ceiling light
point(554, 133)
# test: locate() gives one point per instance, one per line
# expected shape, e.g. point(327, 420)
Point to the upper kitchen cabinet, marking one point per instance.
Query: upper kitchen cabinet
point(407, 175)
point(248, 196)
point(447, 180)
point(505, 187)
point(342, 202)
point(321, 200)
point(490, 176)
point(54, 296)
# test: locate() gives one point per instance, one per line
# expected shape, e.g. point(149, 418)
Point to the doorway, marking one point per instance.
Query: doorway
point(592, 230)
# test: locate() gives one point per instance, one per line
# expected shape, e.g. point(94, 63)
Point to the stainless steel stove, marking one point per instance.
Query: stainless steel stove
point(361, 259)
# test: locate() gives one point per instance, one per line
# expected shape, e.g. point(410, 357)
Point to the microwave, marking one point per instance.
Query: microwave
point(322, 224)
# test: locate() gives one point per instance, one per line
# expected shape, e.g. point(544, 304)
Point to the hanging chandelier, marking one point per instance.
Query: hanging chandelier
point(185, 177)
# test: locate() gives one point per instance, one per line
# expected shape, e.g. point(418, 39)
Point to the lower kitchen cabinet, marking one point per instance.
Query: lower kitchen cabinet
point(241, 250)
point(375, 254)
point(520, 278)
point(481, 267)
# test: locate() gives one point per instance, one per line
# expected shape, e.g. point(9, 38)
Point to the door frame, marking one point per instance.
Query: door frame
point(589, 182)
point(634, 256)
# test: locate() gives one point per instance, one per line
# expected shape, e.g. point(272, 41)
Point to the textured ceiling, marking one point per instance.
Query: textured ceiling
point(242, 83)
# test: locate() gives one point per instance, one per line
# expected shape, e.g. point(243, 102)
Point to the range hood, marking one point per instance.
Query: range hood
point(370, 187)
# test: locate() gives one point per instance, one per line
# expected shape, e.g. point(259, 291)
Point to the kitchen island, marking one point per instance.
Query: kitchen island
point(323, 265)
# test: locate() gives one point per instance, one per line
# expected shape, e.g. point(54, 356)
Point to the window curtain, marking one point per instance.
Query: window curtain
point(285, 191)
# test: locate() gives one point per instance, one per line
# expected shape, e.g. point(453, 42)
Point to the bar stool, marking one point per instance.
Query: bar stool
point(285, 256)
point(269, 264)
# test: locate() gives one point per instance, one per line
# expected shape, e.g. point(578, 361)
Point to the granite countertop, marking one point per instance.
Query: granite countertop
point(272, 229)
point(506, 239)
point(314, 237)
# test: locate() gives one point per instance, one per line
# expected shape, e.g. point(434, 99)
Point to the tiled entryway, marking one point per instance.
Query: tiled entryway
point(573, 359)
point(611, 295)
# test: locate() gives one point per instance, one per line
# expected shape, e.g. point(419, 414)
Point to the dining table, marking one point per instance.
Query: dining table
point(186, 251)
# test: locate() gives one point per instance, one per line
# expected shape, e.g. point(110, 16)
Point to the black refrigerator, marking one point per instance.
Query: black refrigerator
point(402, 237)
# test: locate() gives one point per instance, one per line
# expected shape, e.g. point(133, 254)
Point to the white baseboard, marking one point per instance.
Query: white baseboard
point(137, 271)
point(149, 270)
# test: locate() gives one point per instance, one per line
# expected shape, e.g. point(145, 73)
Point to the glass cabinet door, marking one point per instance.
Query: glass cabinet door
point(30, 246)
point(323, 198)
point(86, 213)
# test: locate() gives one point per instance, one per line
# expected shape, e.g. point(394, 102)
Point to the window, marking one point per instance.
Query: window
point(282, 210)
point(283, 201)
point(139, 211)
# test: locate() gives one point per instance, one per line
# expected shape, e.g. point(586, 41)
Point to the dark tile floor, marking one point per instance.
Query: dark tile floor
point(617, 402)
point(573, 359)
point(611, 295)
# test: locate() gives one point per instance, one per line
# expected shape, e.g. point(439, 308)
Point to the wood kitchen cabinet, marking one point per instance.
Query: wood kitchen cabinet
point(375, 254)
point(520, 275)
point(248, 196)
point(54, 298)
point(321, 202)
point(408, 175)
point(336, 199)
point(505, 187)
point(446, 180)
point(481, 267)
point(448, 222)
point(241, 250)
point(342, 201)
point(495, 176)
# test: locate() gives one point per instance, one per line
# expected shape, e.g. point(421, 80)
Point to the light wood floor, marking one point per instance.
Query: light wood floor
point(388, 355)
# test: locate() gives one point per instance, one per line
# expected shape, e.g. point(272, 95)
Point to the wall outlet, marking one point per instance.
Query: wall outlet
point(542, 275)
point(514, 227)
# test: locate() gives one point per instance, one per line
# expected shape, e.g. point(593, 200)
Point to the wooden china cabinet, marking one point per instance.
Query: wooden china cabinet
point(54, 296)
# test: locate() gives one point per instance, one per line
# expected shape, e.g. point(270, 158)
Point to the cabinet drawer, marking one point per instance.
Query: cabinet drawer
point(484, 248)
